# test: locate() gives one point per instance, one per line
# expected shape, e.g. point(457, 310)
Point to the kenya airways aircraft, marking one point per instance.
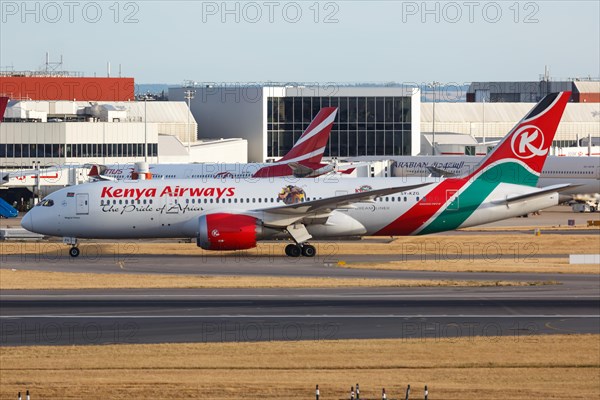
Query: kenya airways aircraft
point(232, 215)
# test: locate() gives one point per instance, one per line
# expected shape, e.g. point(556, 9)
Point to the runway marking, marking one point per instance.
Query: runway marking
point(585, 316)
point(549, 326)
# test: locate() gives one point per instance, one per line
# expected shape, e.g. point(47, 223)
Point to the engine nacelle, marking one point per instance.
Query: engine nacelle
point(223, 231)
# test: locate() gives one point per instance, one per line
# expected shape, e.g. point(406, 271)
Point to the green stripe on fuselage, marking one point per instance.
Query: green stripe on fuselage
point(471, 198)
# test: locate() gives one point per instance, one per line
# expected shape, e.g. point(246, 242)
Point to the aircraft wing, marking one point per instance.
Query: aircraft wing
point(331, 203)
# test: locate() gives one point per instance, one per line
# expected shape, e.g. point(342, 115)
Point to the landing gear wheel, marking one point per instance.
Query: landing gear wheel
point(293, 250)
point(74, 252)
point(309, 250)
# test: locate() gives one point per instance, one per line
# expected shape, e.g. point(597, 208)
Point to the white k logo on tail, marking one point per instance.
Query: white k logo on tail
point(530, 142)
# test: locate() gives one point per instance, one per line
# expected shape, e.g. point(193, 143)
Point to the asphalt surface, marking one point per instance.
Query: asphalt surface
point(161, 316)
point(54, 317)
point(227, 315)
point(273, 265)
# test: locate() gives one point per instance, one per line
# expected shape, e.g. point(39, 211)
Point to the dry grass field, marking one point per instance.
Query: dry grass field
point(492, 368)
point(42, 280)
point(472, 253)
point(495, 368)
point(518, 244)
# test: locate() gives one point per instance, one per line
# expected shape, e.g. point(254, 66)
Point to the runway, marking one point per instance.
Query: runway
point(273, 265)
point(226, 315)
point(55, 317)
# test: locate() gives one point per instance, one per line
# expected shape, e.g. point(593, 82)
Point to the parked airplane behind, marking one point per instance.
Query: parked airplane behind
point(303, 160)
point(3, 104)
point(231, 215)
point(582, 172)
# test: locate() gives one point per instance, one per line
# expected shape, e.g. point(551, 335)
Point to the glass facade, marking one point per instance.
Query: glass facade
point(364, 126)
point(19, 150)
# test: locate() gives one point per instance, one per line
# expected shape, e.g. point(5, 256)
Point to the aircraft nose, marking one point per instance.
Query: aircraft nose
point(27, 222)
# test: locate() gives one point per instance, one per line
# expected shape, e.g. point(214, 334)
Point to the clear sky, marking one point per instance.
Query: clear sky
point(291, 41)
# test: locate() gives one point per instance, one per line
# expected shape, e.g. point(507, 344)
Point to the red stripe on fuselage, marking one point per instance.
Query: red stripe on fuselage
point(423, 210)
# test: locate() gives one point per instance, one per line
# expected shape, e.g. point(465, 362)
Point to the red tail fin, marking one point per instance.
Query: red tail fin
point(530, 140)
point(311, 145)
point(94, 173)
point(3, 104)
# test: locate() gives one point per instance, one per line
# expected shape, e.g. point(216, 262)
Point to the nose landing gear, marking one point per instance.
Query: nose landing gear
point(74, 250)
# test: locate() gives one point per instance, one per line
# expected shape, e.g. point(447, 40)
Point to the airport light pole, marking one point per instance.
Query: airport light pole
point(189, 95)
point(433, 85)
point(145, 129)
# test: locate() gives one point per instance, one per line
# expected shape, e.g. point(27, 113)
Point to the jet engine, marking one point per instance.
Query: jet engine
point(224, 231)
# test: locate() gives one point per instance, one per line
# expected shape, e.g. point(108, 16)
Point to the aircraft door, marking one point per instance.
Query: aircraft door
point(172, 205)
point(453, 196)
point(82, 204)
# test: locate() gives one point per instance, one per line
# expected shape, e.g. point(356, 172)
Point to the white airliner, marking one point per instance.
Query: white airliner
point(581, 172)
point(233, 215)
point(303, 160)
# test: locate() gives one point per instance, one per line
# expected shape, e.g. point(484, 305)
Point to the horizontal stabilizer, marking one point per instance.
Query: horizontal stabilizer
point(97, 171)
point(438, 172)
point(542, 191)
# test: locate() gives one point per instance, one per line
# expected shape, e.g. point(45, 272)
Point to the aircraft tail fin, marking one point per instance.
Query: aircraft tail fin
point(3, 104)
point(525, 148)
point(311, 145)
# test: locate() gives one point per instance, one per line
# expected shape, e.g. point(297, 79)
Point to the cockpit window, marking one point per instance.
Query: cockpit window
point(47, 203)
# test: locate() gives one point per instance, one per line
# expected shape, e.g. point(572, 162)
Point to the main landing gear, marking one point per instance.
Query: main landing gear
point(74, 250)
point(297, 250)
point(300, 235)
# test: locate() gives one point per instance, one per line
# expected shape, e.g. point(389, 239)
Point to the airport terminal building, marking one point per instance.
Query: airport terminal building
point(46, 133)
point(371, 120)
